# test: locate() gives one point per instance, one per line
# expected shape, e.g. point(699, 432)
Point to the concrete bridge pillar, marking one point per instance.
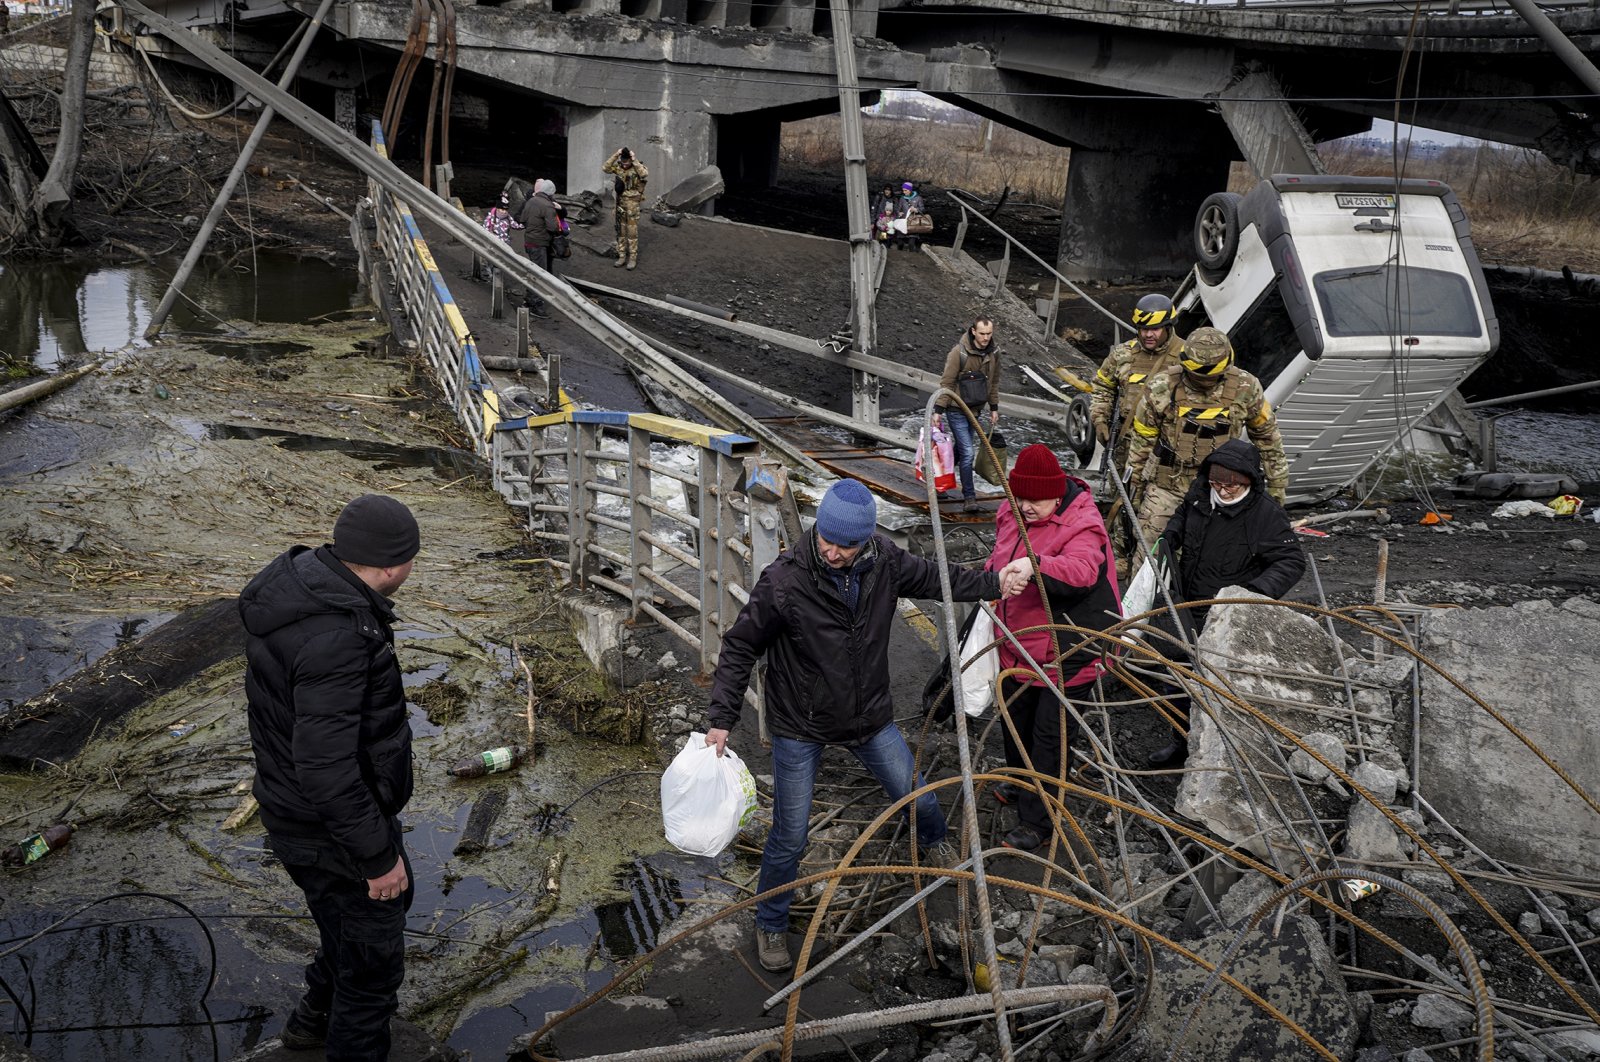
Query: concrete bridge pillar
point(1130, 211)
point(671, 144)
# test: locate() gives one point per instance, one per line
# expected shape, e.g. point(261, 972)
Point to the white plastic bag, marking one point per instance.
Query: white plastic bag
point(977, 680)
point(705, 798)
point(1141, 593)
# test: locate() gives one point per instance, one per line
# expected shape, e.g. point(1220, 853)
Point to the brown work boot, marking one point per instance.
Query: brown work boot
point(773, 950)
point(942, 856)
point(305, 1030)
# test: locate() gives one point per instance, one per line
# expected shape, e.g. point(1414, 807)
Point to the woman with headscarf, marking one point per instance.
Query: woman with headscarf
point(1067, 535)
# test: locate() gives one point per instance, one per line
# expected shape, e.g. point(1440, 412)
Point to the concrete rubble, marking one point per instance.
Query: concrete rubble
point(694, 191)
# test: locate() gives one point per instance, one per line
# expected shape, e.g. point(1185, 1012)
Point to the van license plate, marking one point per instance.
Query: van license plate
point(1352, 201)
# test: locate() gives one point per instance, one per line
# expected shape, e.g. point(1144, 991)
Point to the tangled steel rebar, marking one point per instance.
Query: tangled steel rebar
point(1118, 856)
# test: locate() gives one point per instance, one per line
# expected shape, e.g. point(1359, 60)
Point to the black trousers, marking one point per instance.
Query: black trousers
point(1037, 715)
point(360, 962)
point(544, 258)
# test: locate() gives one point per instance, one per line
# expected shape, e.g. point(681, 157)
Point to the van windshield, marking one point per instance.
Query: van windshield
point(1389, 300)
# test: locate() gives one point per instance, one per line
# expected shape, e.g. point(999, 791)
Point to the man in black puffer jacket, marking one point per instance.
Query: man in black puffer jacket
point(822, 613)
point(1228, 532)
point(333, 764)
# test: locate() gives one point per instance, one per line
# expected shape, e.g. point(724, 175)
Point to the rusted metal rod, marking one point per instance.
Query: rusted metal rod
point(225, 195)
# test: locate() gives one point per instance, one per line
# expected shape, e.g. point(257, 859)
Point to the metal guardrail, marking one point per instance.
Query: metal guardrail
point(1428, 8)
point(442, 334)
point(586, 480)
point(600, 503)
point(1003, 266)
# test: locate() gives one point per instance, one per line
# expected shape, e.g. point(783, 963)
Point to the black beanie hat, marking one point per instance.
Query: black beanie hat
point(377, 531)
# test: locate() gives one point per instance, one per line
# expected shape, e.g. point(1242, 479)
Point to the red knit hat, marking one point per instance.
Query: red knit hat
point(1037, 474)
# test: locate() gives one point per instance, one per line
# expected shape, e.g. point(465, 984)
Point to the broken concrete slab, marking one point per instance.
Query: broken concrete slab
point(1370, 837)
point(1294, 972)
point(1260, 652)
point(695, 190)
point(1536, 668)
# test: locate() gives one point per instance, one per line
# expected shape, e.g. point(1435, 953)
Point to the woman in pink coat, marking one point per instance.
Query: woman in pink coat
point(1080, 581)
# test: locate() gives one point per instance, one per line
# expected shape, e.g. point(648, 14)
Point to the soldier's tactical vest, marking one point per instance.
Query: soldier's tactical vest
point(1196, 424)
point(1143, 365)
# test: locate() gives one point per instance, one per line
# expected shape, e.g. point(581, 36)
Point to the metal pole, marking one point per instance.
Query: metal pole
point(1548, 392)
point(203, 237)
point(865, 386)
point(1565, 50)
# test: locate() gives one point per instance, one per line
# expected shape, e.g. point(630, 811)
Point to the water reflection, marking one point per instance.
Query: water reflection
point(52, 312)
point(632, 927)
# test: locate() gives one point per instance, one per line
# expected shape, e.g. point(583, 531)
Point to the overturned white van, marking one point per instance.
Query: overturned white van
point(1357, 301)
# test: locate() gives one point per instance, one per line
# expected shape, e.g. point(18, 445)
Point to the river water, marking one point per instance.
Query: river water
point(51, 313)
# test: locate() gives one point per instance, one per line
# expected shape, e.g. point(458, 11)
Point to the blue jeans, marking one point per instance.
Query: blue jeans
point(964, 436)
point(794, 776)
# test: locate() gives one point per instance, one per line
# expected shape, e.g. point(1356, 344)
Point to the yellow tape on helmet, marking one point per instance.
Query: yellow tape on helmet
point(1200, 368)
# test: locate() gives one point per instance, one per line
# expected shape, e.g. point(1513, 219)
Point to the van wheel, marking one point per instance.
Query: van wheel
point(1080, 430)
point(1216, 231)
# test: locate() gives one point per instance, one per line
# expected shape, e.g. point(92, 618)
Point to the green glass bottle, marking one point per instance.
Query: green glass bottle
point(35, 848)
point(490, 762)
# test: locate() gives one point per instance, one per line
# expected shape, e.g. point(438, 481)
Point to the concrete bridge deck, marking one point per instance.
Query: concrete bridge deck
point(1155, 99)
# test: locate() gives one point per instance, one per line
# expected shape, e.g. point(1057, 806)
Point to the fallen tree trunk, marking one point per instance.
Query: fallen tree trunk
point(54, 726)
point(34, 391)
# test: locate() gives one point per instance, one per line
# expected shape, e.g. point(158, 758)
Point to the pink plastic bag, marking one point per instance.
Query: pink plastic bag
point(944, 459)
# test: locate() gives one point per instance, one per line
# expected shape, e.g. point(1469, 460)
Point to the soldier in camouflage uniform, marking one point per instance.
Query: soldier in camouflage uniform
point(1121, 382)
point(631, 177)
point(1188, 411)
point(1129, 367)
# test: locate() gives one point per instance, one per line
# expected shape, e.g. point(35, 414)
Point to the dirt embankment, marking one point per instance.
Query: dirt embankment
point(170, 480)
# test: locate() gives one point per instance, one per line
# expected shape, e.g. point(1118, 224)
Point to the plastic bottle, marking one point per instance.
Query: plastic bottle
point(491, 762)
point(38, 846)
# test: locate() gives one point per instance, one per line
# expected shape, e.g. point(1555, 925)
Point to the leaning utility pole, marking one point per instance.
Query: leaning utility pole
point(201, 238)
point(864, 387)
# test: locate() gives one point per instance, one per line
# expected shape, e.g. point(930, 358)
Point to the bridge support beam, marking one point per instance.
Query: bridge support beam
point(1130, 212)
point(669, 143)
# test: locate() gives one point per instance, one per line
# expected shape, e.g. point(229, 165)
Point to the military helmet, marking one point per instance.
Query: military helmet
point(1153, 311)
point(1208, 353)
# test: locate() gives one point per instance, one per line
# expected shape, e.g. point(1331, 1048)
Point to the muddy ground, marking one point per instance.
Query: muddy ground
point(170, 480)
point(215, 494)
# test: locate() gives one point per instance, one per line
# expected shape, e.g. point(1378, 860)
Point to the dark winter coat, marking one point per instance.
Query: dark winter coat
point(1080, 580)
point(827, 677)
point(327, 708)
point(965, 356)
point(541, 220)
point(1248, 544)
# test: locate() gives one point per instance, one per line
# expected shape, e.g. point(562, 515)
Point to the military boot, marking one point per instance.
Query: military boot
point(622, 257)
point(633, 261)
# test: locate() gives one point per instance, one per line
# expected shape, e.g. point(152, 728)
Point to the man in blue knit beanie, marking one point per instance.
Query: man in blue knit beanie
point(822, 613)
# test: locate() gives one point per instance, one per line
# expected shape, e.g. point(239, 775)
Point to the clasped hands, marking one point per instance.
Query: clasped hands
point(1016, 577)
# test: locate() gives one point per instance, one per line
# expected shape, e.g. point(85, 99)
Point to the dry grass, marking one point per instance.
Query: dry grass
point(940, 153)
point(1525, 209)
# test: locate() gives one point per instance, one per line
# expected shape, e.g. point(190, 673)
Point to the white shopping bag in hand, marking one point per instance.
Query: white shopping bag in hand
point(977, 678)
point(705, 798)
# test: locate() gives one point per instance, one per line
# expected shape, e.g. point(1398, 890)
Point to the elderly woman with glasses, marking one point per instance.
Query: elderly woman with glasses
point(1229, 531)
